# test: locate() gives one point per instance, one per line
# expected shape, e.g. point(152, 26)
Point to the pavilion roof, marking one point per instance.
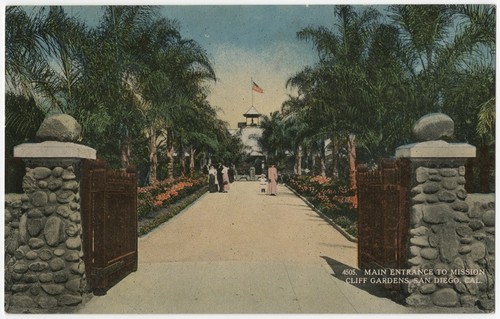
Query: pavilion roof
point(252, 112)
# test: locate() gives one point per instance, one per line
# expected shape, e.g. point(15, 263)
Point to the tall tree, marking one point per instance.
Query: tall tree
point(108, 105)
point(274, 139)
point(42, 61)
point(450, 52)
point(341, 77)
point(130, 82)
point(168, 74)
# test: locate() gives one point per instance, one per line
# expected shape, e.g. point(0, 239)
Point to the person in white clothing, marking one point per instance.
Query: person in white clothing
point(225, 178)
point(263, 183)
point(213, 186)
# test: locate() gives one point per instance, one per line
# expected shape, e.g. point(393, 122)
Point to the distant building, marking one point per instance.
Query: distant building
point(249, 133)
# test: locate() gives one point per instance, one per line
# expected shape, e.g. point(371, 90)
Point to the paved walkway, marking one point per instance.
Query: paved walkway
point(243, 252)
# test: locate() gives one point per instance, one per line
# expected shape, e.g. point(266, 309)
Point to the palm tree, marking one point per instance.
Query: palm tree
point(108, 106)
point(146, 79)
point(477, 37)
point(369, 72)
point(168, 73)
point(63, 38)
point(186, 69)
point(129, 81)
point(42, 62)
point(22, 52)
point(297, 124)
point(455, 72)
point(23, 61)
point(432, 53)
point(340, 88)
point(22, 119)
point(201, 131)
point(273, 140)
point(316, 109)
point(422, 30)
point(389, 94)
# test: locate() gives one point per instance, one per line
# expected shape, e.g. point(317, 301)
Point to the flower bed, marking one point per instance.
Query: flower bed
point(157, 218)
point(332, 199)
point(166, 192)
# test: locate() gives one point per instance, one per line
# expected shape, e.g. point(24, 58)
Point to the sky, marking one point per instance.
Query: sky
point(248, 42)
point(244, 42)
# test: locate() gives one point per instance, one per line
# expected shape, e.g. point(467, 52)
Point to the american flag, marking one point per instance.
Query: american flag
point(257, 88)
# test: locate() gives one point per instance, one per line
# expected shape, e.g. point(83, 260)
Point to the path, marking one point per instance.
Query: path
point(242, 252)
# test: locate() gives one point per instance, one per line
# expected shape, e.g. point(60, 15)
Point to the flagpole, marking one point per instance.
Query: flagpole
point(251, 88)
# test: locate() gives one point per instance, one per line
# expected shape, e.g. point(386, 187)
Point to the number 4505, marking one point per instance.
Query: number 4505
point(349, 272)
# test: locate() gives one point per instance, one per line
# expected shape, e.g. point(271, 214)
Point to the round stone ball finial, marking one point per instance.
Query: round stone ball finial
point(61, 128)
point(433, 127)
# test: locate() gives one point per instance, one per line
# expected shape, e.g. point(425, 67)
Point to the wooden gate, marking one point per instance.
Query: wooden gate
point(383, 214)
point(109, 219)
point(14, 173)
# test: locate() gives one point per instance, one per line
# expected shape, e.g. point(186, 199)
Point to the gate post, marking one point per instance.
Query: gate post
point(447, 249)
point(44, 269)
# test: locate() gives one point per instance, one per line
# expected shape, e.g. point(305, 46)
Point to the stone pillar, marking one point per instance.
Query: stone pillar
point(450, 245)
point(44, 265)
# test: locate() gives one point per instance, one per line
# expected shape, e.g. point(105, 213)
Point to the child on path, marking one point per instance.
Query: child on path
point(263, 183)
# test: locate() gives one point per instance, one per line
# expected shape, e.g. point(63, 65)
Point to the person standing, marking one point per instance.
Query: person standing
point(263, 183)
point(225, 178)
point(272, 185)
point(219, 177)
point(231, 173)
point(212, 180)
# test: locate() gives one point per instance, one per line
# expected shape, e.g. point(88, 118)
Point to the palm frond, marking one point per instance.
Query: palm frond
point(486, 118)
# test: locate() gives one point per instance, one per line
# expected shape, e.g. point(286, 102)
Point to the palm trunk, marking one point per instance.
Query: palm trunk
point(125, 151)
point(298, 161)
point(469, 174)
point(322, 157)
point(170, 154)
point(323, 166)
point(153, 156)
point(313, 164)
point(351, 149)
point(192, 152)
point(182, 158)
point(306, 158)
point(334, 147)
point(484, 168)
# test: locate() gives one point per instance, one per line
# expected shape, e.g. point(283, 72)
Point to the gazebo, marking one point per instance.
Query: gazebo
point(252, 114)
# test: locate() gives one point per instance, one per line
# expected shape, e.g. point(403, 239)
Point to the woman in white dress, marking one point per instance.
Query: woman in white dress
point(213, 186)
point(225, 178)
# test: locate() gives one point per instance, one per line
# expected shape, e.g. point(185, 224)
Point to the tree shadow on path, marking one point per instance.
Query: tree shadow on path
point(359, 279)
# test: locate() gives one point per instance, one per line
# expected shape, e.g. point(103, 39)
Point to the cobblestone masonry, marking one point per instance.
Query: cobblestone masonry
point(452, 241)
point(43, 246)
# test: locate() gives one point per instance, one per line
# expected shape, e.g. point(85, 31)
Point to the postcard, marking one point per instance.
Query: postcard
point(306, 158)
